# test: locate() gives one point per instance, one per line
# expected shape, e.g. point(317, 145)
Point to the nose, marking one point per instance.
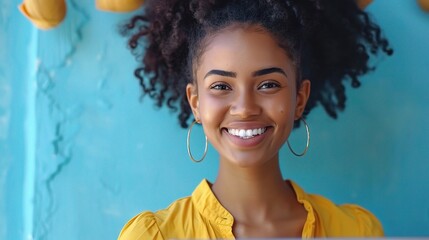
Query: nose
point(245, 105)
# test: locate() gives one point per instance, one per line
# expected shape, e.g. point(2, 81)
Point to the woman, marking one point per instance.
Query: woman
point(243, 70)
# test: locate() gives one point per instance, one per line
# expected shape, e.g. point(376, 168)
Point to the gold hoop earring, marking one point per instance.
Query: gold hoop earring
point(188, 145)
point(308, 141)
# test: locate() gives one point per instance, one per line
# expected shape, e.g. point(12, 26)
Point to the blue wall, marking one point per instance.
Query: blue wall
point(80, 154)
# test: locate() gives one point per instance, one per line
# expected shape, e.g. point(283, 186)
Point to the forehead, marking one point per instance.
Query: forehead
point(242, 49)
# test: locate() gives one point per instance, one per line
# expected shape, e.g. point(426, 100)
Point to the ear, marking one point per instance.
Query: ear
point(302, 98)
point(192, 94)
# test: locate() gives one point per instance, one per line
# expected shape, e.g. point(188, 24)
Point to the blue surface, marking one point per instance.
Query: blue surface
point(80, 154)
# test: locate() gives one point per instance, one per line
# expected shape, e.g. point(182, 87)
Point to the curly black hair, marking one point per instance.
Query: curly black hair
point(330, 42)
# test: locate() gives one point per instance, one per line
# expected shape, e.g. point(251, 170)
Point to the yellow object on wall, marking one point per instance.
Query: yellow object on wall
point(424, 4)
point(46, 14)
point(363, 3)
point(118, 5)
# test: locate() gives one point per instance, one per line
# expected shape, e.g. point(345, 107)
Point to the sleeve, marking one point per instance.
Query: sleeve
point(141, 227)
point(369, 225)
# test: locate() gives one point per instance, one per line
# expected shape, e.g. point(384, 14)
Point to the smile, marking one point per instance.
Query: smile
point(247, 133)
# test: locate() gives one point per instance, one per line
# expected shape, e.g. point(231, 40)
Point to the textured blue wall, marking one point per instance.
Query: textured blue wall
point(80, 154)
point(16, 126)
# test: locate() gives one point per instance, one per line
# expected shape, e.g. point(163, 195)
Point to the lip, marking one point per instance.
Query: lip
point(249, 142)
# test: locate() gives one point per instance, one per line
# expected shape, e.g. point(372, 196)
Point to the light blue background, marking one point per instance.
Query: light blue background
point(80, 154)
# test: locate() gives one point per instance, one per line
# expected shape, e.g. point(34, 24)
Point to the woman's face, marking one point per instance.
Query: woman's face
point(246, 95)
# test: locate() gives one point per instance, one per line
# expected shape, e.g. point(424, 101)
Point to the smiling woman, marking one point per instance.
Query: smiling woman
point(247, 68)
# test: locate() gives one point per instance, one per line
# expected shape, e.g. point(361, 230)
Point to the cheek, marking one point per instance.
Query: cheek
point(282, 107)
point(285, 110)
point(283, 114)
point(212, 109)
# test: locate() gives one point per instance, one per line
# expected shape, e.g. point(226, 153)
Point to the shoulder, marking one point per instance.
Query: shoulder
point(347, 220)
point(154, 225)
point(331, 220)
point(143, 226)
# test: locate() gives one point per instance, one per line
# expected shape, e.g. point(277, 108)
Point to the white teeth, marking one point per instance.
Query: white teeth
point(242, 133)
point(247, 133)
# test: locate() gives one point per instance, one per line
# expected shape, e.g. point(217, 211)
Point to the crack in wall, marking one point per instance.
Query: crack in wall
point(61, 144)
point(45, 79)
point(78, 32)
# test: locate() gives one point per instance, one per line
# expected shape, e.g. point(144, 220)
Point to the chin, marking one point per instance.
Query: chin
point(244, 161)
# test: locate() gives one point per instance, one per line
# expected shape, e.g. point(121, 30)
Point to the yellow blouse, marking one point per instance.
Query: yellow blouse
point(201, 216)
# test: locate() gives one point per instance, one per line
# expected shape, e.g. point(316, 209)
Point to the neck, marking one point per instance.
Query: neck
point(254, 194)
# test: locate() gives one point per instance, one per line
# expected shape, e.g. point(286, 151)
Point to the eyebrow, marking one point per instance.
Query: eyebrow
point(258, 73)
point(221, 73)
point(268, 71)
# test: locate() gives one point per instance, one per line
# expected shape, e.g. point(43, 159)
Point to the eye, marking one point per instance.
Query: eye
point(220, 86)
point(268, 85)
